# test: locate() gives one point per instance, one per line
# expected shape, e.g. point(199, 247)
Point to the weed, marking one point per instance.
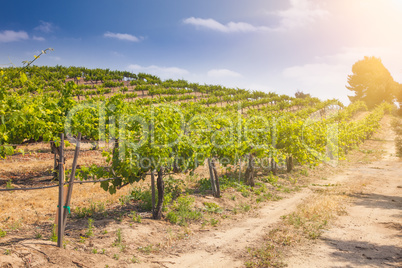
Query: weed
point(53, 237)
point(167, 199)
point(182, 211)
point(116, 256)
point(189, 191)
point(94, 251)
point(304, 172)
point(7, 252)
point(90, 231)
point(136, 217)
point(144, 198)
point(122, 247)
point(172, 217)
point(366, 151)
point(286, 190)
point(294, 219)
point(103, 251)
point(245, 193)
point(204, 185)
point(9, 184)
point(245, 207)
point(174, 186)
point(124, 199)
point(2, 233)
point(105, 231)
point(134, 259)
point(82, 239)
point(119, 238)
point(262, 187)
point(146, 250)
point(16, 225)
point(212, 207)
point(83, 212)
point(292, 181)
point(272, 179)
point(37, 235)
point(214, 222)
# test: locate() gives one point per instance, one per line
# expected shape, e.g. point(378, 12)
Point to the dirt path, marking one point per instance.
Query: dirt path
point(223, 248)
point(371, 234)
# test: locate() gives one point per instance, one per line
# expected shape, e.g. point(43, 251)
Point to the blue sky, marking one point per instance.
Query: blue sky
point(271, 45)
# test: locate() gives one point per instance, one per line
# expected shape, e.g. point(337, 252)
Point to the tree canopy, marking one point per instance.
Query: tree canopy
point(372, 82)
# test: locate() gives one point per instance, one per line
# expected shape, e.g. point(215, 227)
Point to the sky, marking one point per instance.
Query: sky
point(282, 46)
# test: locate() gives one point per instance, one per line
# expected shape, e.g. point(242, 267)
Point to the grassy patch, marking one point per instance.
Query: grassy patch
point(143, 197)
point(212, 208)
point(94, 208)
point(183, 211)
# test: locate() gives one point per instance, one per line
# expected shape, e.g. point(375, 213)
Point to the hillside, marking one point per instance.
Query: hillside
point(180, 173)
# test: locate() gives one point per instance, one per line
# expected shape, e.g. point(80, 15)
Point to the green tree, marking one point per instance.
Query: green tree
point(371, 82)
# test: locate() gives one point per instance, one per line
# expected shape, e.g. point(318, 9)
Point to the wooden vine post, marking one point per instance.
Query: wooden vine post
point(71, 182)
point(60, 225)
point(63, 207)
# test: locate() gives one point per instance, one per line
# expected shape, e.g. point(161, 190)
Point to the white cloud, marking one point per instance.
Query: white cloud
point(162, 72)
point(230, 27)
point(12, 36)
point(220, 73)
point(46, 27)
point(300, 13)
point(38, 38)
point(122, 36)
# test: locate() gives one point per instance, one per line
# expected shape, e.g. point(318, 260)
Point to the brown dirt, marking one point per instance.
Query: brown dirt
point(369, 236)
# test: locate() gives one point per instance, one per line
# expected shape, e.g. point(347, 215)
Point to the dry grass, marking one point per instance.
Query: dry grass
point(34, 168)
point(18, 209)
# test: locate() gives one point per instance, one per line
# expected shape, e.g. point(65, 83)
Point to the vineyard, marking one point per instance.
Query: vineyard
point(155, 136)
